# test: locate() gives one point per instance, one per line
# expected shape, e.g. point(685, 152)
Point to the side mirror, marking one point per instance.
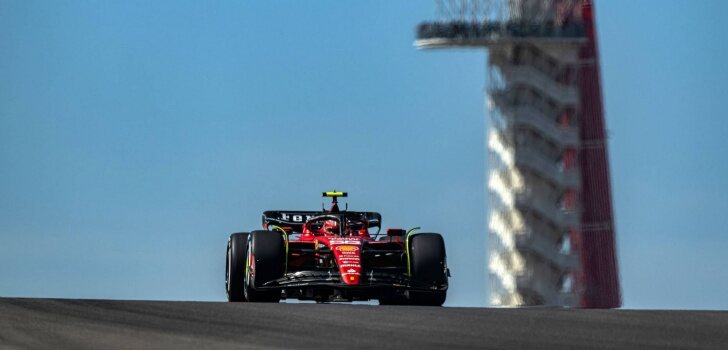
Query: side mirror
point(396, 232)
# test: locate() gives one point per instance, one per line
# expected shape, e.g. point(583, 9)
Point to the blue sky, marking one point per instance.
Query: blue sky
point(135, 136)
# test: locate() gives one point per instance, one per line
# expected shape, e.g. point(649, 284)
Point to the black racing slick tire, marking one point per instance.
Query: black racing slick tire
point(266, 262)
point(237, 250)
point(428, 264)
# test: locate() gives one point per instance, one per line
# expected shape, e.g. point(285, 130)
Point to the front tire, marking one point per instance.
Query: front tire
point(265, 262)
point(428, 264)
point(237, 250)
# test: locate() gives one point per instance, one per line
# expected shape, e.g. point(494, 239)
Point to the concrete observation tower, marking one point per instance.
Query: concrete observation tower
point(550, 222)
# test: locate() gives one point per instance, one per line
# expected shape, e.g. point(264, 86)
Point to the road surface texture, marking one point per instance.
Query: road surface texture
point(107, 324)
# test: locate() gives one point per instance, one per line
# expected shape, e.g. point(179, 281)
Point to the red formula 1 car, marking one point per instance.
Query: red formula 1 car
point(335, 255)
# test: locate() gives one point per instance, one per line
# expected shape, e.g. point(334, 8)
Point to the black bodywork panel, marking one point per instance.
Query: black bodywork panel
point(293, 220)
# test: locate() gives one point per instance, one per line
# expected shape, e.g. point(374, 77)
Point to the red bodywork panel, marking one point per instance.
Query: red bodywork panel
point(347, 252)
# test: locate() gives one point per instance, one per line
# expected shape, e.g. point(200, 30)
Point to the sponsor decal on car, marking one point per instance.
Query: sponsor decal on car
point(347, 248)
point(345, 259)
point(345, 241)
point(350, 270)
point(295, 217)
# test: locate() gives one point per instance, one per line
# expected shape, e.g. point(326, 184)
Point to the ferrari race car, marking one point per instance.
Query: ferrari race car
point(335, 255)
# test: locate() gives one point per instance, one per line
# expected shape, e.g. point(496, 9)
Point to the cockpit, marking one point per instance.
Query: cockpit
point(343, 224)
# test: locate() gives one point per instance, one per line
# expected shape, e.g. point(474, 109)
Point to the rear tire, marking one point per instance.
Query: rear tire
point(237, 250)
point(266, 262)
point(428, 264)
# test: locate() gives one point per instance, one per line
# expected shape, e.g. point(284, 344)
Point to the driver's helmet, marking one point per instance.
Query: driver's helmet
point(331, 227)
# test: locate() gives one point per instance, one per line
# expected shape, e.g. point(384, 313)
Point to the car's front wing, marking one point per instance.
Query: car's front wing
point(331, 279)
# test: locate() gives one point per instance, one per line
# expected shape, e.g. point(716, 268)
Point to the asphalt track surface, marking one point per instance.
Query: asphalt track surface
point(107, 324)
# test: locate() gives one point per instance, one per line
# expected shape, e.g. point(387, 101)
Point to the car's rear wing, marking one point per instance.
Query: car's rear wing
point(293, 220)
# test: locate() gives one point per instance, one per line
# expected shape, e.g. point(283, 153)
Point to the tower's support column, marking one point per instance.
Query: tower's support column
point(533, 181)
